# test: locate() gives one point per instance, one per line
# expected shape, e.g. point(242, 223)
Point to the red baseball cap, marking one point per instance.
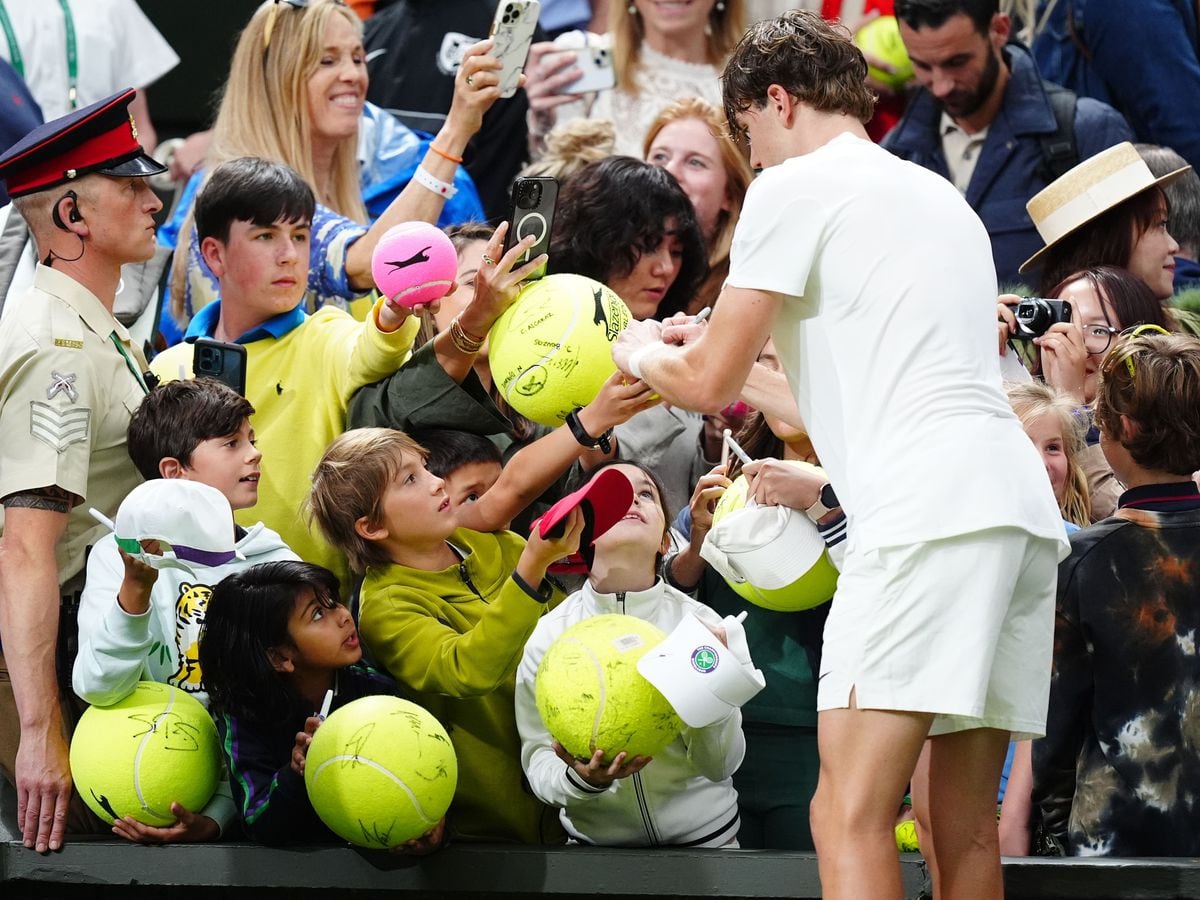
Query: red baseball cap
point(604, 500)
point(100, 138)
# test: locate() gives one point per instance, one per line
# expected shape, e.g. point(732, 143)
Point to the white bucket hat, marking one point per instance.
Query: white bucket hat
point(192, 520)
point(703, 679)
point(1090, 189)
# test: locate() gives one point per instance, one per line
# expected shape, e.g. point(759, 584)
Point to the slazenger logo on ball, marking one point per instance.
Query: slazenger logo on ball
point(705, 660)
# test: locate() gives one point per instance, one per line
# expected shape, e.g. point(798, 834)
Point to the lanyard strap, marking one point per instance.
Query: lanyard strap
point(18, 61)
point(129, 362)
point(14, 49)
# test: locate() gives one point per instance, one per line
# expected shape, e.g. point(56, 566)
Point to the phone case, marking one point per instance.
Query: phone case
point(534, 200)
point(220, 361)
point(512, 31)
point(598, 74)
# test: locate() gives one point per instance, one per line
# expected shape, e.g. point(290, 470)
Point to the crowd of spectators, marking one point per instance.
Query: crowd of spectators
point(379, 487)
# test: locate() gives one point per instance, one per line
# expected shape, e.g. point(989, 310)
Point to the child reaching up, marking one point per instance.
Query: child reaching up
point(448, 602)
point(276, 640)
point(685, 795)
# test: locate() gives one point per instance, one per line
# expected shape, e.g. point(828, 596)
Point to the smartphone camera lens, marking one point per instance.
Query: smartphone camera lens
point(529, 194)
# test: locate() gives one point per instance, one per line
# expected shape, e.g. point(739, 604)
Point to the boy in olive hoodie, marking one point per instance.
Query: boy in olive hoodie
point(450, 597)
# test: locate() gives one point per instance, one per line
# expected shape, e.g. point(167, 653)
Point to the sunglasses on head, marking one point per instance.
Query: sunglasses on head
point(294, 4)
point(1135, 332)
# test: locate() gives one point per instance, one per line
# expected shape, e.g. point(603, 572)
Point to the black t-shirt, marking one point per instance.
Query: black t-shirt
point(413, 48)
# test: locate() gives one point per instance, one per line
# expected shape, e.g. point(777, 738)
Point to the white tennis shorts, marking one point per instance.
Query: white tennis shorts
point(961, 627)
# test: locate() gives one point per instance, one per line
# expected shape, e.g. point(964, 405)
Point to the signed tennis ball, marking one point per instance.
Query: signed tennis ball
point(881, 38)
point(773, 575)
point(380, 771)
point(414, 262)
point(592, 697)
point(551, 351)
point(141, 754)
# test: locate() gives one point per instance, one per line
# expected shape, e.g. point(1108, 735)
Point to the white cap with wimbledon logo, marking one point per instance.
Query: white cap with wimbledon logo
point(701, 677)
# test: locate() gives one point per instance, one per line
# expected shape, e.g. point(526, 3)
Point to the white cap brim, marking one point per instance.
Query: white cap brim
point(700, 677)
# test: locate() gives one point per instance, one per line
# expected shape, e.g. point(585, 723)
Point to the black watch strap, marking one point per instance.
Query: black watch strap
point(585, 439)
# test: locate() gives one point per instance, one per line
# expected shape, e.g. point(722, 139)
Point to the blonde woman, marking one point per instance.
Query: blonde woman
point(689, 139)
point(1048, 417)
point(297, 94)
point(571, 146)
point(661, 52)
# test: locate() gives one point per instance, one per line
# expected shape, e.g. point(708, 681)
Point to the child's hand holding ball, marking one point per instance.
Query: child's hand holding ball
point(303, 739)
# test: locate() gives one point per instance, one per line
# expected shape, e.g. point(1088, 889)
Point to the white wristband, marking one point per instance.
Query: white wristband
point(635, 359)
point(426, 180)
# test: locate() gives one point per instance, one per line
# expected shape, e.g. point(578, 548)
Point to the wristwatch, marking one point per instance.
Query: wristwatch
point(827, 502)
point(585, 439)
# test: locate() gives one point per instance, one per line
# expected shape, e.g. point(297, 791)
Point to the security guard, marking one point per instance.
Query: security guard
point(70, 378)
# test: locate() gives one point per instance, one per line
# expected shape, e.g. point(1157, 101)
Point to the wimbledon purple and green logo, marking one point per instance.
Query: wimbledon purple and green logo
point(705, 659)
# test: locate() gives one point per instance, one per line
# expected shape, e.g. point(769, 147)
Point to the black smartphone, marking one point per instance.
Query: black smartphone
point(221, 361)
point(534, 200)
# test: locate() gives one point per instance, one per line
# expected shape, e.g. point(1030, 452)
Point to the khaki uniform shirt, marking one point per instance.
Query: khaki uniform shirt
point(66, 397)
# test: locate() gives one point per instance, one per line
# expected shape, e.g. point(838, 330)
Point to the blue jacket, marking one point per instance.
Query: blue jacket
point(1010, 166)
point(1187, 274)
point(1143, 61)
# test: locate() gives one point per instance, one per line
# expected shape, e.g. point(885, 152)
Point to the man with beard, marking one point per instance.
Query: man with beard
point(986, 120)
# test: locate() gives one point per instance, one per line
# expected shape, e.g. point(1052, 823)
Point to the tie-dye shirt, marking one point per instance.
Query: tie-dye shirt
point(1118, 773)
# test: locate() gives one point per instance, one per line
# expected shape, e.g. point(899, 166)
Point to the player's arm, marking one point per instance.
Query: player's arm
point(707, 371)
point(34, 522)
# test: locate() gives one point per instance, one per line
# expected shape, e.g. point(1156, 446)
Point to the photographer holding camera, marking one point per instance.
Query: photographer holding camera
point(1073, 328)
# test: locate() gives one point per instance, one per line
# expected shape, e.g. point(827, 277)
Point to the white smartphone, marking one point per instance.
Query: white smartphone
point(512, 33)
point(598, 75)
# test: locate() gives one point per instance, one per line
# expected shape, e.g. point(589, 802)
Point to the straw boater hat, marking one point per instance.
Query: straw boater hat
point(1093, 187)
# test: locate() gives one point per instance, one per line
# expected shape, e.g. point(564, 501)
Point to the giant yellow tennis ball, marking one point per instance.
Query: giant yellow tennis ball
point(380, 771)
point(551, 351)
point(134, 758)
point(881, 38)
point(592, 697)
point(794, 570)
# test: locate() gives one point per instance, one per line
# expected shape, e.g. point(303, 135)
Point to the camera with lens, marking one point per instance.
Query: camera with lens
point(1036, 315)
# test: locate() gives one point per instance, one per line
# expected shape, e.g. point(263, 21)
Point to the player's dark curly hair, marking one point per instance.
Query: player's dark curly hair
point(614, 210)
point(247, 616)
point(815, 61)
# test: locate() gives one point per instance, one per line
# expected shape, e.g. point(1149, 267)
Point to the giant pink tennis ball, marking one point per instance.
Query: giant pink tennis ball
point(414, 262)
